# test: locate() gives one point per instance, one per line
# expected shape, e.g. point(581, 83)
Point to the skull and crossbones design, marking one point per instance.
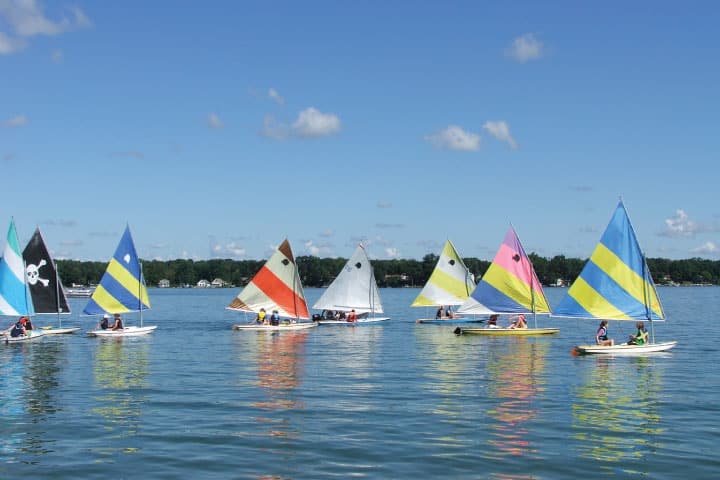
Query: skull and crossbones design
point(33, 273)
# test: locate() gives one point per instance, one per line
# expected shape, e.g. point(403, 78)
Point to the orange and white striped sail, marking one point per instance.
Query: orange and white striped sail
point(276, 286)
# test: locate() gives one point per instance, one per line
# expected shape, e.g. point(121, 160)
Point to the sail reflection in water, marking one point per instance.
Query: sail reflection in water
point(27, 385)
point(515, 374)
point(615, 415)
point(120, 369)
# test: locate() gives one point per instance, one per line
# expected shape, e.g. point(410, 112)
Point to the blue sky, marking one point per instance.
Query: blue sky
point(217, 129)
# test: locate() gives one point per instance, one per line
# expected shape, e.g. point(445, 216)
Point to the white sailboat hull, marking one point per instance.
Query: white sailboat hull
point(447, 321)
point(123, 332)
point(506, 332)
point(624, 349)
point(58, 331)
point(281, 327)
point(31, 335)
point(359, 321)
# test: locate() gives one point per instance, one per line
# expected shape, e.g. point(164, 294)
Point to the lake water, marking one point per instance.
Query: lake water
point(393, 400)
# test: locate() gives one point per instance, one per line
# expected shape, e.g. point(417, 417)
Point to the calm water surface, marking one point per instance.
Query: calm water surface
point(395, 400)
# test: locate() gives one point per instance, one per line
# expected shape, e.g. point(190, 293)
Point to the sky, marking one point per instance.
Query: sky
point(218, 129)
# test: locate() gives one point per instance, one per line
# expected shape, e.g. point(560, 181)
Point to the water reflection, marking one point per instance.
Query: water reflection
point(615, 413)
point(120, 370)
point(515, 369)
point(27, 385)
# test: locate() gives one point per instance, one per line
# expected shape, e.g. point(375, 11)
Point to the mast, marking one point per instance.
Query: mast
point(57, 294)
point(140, 284)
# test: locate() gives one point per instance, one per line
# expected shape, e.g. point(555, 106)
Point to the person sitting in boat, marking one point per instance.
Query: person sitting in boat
point(449, 313)
point(104, 323)
point(601, 337)
point(275, 318)
point(352, 316)
point(640, 337)
point(260, 316)
point(341, 315)
point(492, 321)
point(19, 328)
point(28, 324)
point(439, 313)
point(118, 325)
point(519, 322)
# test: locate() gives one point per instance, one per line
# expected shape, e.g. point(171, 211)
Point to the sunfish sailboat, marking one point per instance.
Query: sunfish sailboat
point(615, 284)
point(275, 287)
point(449, 284)
point(354, 288)
point(510, 286)
point(14, 294)
point(121, 290)
point(46, 290)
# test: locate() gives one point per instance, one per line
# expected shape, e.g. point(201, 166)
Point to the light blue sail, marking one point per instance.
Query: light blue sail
point(14, 293)
point(615, 284)
point(122, 287)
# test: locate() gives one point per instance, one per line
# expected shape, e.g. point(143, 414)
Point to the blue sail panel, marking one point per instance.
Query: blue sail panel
point(619, 238)
point(14, 293)
point(496, 300)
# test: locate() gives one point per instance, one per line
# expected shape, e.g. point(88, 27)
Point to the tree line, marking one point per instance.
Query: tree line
point(319, 272)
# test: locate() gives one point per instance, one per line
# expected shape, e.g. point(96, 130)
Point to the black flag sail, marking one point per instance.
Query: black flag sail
point(45, 288)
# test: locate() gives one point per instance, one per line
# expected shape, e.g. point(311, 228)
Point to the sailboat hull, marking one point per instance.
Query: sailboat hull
point(506, 332)
point(447, 321)
point(123, 332)
point(281, 327)
point(359, 321)
point(59, 331)
point(32, 335)
point(624, 349)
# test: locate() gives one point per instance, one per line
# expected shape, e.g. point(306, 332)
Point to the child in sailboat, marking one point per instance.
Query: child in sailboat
point(519, 322)
point(640, 337)
point(601, 337)
point(492, 321)
point(19, 328)
point(118, 325)
point(104, 323)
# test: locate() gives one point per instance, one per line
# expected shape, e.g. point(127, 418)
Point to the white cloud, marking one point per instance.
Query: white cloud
point(707, 248)
point(501, 131)
point(392, 252)
point(274, 129)
point(10, 45)
point(27, 19)
point(14, 122)
point(455, 138)
point(228, 250)
point(313, 123)
point(318, 249)
point(679, 226)
point(214, 121)
point(524, 48)
point(275, 96)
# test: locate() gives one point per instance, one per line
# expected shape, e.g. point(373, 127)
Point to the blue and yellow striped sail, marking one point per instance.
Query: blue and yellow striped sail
point(14, 293)
point(122, 287)
point(615, 284)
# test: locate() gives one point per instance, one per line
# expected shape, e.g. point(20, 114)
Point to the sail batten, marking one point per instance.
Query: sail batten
point(276, 286)
point(615, 283)
point(122, 287)
point(450, 282)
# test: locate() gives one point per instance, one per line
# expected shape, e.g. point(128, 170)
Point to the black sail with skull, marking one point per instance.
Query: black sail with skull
point(46, 291)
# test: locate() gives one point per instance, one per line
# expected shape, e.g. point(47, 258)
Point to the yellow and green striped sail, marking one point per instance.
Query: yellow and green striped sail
point(449, 284)
point(122, 287)
point(615, 284)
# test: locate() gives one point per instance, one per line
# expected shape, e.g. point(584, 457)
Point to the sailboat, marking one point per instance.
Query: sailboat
point(275, 287)
point(46, 290)
point(354, 288)
point(615, 284)
point(14, 293)
point(511, 287)
point(121, 290)
point(449, 284)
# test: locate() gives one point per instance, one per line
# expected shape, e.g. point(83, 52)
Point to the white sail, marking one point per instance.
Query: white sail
point(353, 288)
point(450, 282)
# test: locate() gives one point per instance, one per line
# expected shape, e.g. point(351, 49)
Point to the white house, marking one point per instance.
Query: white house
point(203, 284)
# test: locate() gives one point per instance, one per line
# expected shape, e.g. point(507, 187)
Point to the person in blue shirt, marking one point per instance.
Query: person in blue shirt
point(275, 318)
point(19, 328)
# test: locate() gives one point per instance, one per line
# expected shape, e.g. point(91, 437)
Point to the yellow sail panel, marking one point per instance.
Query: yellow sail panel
point(590, 300)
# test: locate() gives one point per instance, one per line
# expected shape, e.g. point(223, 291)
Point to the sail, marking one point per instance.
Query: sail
point(14, 294)
point(450, 282)
point(615, 283)
point(275, 287)
point(46, 290)
point(510, 284)
point(122, 286)
point(353, 288)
